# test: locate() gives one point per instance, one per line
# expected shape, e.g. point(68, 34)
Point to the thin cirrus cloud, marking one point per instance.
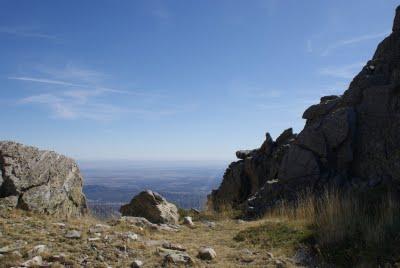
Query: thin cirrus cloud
point(351, 41)
point(78, 98)
point(28, 32)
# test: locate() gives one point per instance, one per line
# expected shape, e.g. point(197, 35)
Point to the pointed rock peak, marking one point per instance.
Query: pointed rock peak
point(396, 23)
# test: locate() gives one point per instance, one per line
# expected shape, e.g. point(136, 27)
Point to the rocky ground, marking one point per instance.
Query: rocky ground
point(30, 240)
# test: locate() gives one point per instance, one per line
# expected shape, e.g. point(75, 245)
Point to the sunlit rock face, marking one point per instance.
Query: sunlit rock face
point(349, 141)
point(40, 181)
point(153, 207)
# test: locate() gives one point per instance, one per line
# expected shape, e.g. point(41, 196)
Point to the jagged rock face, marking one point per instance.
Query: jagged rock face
point(349, 141)
point(153, 207)
point(256, 168)
point(39, 181)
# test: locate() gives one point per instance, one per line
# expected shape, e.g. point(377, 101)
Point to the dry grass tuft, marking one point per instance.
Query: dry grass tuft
point(347, 226)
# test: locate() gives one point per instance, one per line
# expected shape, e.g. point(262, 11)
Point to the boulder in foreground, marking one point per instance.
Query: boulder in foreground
point(39, 181)
point(152, 206)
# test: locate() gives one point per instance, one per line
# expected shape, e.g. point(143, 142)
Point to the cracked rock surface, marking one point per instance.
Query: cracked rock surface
point(39, 181)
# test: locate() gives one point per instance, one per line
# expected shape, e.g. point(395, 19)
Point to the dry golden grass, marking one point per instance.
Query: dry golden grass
point(349, 229)
point(118, 252)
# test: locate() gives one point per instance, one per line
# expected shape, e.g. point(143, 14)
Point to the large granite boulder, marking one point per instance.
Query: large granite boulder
point(350, 141)
point(39, 181)
point(153, 207)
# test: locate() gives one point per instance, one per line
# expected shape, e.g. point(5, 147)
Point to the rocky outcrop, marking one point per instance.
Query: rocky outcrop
point(256, 168)
point(39, 181)
point(350, 141)
point(153, 207)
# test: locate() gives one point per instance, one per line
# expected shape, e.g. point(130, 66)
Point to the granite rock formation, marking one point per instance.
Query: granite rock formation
point(153, 207)
point(350, 141)
point(39, 181)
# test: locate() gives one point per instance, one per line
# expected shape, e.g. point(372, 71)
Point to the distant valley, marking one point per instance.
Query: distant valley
point(107, 186)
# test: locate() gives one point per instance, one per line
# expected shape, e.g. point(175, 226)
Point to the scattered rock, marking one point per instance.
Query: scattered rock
point(206, 253)
point(173, 246)
point(270, 255)
point(129, 236)
point(74, 234)
point(210, 224)
point(34, 262)
point(153, 207)
point(246, 256)
point(59, 224)
point(12, 247)
point(188, 221)
point(136, 264)
point(177, 257)
point(99, 228)
point(37, 250)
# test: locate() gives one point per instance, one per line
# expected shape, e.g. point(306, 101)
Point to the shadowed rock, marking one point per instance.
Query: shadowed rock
point(347, 140)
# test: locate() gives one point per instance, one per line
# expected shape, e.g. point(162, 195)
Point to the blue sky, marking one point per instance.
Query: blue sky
point(175, 80)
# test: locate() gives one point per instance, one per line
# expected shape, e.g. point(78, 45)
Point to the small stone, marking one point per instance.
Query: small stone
point(207, 253)
point(17, 245)
point(57, 258)
point(36, 261)
point(279, 264)
point(178, 257)
point(99, 228)
point(129, 236)
point(93, 239)
point(59, 224)
point(188, 221)
point(173, 246)
point(136, 264)
point(73, 234)
point(37, 250)
point(210, 224)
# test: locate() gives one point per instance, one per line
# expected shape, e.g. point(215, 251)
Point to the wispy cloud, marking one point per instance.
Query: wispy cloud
point(351, 41)
point(346, 71)
point(65, 83)
point(78, 98)
point(25, 32)
point(45, 81)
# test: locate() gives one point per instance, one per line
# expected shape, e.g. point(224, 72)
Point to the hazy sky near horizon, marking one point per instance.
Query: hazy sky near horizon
point(175, 80)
